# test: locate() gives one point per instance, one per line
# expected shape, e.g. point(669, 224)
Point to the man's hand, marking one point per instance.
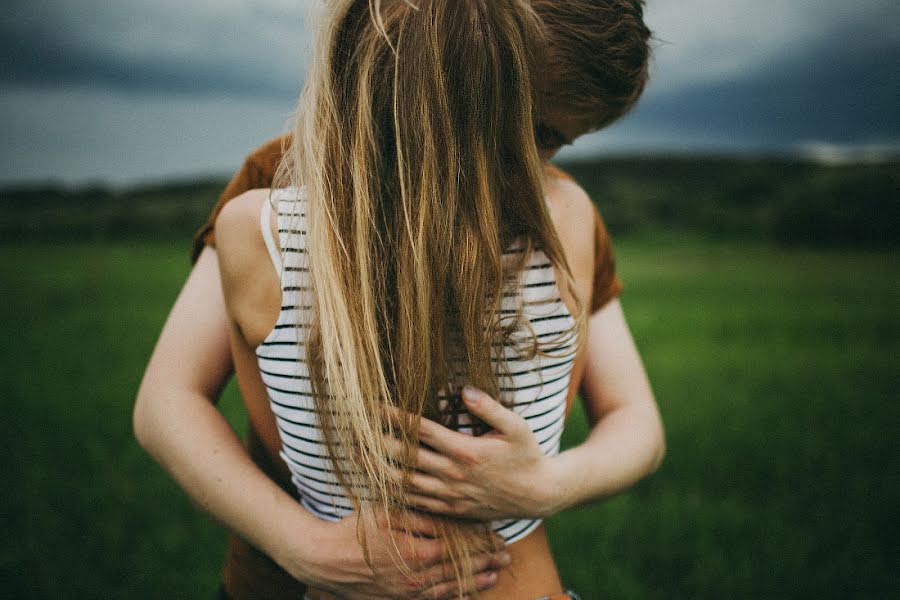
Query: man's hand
point(339, 566)
point(502, 474)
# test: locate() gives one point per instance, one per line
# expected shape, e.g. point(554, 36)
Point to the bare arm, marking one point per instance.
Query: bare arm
point(176, 421)
point(626, 441)
point(505, 472)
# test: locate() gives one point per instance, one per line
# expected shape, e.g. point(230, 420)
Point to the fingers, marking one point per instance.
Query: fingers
point(431, 504)
point(446, 441)
point(482, 563)
point(427, 485)
point(425, 552)
point(426, 460)
point(407, 522)
point(499, 417)
point(449, 589)
point(421, 524)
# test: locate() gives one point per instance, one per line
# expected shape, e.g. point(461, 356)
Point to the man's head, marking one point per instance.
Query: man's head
point(597, 66)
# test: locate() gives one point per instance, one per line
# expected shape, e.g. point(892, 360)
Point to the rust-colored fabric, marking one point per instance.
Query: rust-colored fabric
point(249, 573)
point(256, 172)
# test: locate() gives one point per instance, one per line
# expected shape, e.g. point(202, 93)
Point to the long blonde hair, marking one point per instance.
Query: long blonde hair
point(414, 140)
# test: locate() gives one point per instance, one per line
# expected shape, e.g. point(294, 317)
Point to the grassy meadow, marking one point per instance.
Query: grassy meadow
point(775, 370)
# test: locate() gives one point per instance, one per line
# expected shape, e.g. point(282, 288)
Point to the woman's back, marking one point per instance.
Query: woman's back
point(535, 386)
point(259, 315)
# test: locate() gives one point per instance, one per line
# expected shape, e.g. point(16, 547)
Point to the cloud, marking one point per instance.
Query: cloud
point(703, 41)
point(261, 47)
point(228, 46)
point(135, 89)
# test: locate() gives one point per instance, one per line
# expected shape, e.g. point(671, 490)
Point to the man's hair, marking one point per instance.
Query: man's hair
point(598, 56)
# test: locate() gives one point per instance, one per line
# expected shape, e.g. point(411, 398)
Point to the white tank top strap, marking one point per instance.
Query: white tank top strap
point(265, 225)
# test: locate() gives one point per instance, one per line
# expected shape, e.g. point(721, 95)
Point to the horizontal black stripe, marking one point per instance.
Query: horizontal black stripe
point(527, 523)
point(554, 349)
point(541, 368)
point(300, 438)
point(557, 431)
point(550, 318)
point(308, 504)
point(292, 325)
point(298, 465)
point(542, 428)
point(542, 398)
point(314, 425)
point(539, 284)
point(317, 480)
point(538, 335)
point(273, 374)
point(313, 494)
point(281, 358)
point(533, 385)
point(546, 412)
point(342, 494)
point(525, 526)
point(324, 457)
point(283, 405)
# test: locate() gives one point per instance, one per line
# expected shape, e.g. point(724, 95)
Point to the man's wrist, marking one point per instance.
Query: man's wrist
point(550, 488)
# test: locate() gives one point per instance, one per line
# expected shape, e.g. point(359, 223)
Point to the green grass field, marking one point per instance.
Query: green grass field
point(775, 371)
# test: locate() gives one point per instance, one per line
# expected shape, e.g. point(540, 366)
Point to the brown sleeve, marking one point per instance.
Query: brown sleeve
point(607, 284)
point(257, 171)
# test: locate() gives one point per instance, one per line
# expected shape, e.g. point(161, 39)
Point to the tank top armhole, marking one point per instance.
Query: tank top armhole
point(266, 227)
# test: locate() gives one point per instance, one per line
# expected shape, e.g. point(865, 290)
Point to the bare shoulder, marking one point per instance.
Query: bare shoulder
point(246, 282)
point(572, 212)
point(240, 215)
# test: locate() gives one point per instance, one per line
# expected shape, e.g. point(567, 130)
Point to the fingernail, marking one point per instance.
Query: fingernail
point(492, 576)
point(470, 394)
point(505, 558)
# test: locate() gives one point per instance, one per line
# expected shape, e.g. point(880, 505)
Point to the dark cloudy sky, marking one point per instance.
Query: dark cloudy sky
point(139, 90)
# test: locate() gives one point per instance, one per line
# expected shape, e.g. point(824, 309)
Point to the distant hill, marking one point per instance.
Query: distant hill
point(787, 201)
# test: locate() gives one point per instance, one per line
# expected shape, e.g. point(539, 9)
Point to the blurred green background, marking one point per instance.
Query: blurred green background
point(762, 294)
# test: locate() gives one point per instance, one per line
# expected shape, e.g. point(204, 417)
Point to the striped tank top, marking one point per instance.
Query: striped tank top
point(536, 387)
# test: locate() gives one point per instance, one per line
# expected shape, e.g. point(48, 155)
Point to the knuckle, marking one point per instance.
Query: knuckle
point(455, 474)
point(520, 428)
point(455, 495)
point(467, 457)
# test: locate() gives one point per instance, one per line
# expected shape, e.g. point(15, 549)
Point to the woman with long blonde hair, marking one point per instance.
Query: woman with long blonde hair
point(415, 211)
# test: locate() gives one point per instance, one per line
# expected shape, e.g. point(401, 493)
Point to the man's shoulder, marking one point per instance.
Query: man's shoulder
point(267, 156)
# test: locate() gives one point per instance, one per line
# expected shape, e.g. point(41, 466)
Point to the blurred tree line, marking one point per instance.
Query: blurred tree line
point(786, 201)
